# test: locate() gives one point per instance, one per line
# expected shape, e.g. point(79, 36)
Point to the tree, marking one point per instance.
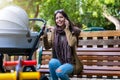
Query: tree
point(97, 11)
point(102, 13)
point(112, 12)
point(87, 12)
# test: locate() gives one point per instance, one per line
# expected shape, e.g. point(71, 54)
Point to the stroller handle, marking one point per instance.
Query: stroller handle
point(36, 19)
point(42, 20)
point(37, 39)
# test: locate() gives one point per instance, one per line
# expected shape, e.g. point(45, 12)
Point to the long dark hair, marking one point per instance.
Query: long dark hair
point(75, 30)
point(61, 11)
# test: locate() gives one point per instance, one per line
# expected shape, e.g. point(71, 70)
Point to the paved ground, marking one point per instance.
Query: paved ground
point(74, 78)
point(91, 79)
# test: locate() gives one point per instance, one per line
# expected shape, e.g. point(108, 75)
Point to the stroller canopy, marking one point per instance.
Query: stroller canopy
point(14, 30)
point(13, 18)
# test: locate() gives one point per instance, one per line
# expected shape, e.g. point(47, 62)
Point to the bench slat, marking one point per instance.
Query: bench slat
point(98, 53)
point(99, 42)
point(100, 33)
point(108, 58)
point(98, 72)
point(90, 72)
point(98, 49)
point(99, 63)
point(105, 68)
point(92, 53)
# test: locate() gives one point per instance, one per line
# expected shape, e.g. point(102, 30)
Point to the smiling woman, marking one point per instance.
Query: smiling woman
point(62, 40)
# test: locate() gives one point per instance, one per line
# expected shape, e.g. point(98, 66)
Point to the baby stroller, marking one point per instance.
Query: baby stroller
point(15, 35)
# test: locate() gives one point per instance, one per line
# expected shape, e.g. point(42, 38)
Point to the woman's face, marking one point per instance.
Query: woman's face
point(60, 20)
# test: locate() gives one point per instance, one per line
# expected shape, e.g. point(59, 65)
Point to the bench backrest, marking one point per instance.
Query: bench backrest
point(101, 48)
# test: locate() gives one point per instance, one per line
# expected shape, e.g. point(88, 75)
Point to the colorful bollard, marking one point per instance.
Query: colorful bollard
point(22, 76)
point(19, 75)
point(8, 76)
point(29, 76)
point(26, 63)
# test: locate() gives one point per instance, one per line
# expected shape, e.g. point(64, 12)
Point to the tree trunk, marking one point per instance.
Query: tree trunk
point(112, 19)
point(35, 16)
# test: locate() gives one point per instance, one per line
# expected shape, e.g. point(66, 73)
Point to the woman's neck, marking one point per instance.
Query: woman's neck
point(62, 27)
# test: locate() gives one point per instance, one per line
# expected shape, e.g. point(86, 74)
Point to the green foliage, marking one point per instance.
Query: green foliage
point(93, 10)
point(86, 12)
point(50, 6)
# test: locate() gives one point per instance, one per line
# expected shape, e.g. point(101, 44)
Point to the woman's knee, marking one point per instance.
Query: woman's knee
point(64, 69)
point(54, 62)
point(59, 73)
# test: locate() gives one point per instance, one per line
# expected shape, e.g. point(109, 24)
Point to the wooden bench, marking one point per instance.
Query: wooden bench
point(99, 52)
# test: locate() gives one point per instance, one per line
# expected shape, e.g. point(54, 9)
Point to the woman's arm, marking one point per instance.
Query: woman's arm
point(72, 40)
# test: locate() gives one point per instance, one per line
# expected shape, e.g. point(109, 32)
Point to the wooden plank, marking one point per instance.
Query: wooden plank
point(114, 50)
point(92, 56)
point(99, 42)
point(91, 72)
point(100, 33)
point(98, 49)
point(108, 58)
point(90, 63)
point(44, 62)
point(100, 63)
point(91, 68)
point(43, 70)
point(102, 73)
point(87, 53)
point(110, 68)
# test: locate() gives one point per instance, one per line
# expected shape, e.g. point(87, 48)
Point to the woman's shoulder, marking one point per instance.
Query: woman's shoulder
point(76, 30)
point(50, 28)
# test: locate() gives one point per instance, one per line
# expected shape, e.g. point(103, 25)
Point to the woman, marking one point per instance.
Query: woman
point(62, 40)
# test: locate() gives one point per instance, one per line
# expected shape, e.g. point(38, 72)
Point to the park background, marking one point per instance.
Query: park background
point(83, 13)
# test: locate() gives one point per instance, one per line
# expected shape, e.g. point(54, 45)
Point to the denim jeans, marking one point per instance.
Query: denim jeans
point(66, 69)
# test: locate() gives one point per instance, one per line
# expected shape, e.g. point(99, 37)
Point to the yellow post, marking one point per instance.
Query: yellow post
point(29, 75)
point(7, 76)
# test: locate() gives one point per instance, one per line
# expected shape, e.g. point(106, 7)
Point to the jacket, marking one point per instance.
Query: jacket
point(72, 40)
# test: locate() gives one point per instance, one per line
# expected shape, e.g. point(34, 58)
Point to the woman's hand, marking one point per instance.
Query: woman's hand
point(67, 23)
point(50, 28)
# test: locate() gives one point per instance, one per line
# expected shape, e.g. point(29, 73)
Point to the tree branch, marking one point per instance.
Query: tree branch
point(112, 19)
